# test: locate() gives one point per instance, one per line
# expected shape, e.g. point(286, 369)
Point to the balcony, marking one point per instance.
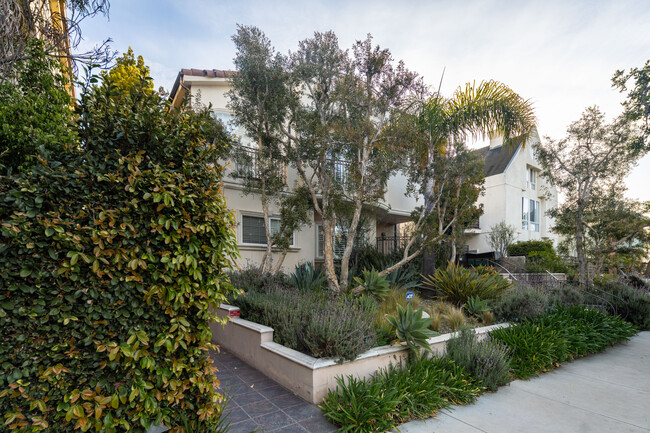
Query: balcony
point(247, 165)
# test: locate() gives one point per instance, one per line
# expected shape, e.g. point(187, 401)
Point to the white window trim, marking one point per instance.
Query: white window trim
point(260, 216)
point(531, 178)
point(526, 223)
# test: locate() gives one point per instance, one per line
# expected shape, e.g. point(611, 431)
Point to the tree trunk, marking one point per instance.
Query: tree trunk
point(328, 253)
point(580, 250)
point(349, 245)
point(267, 259)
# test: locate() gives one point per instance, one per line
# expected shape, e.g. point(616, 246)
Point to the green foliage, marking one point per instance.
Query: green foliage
point(487, 360)
point(394, 395)
point(35, 112)
point(314, 322)
point(525, 248)
point(306, 277)
point(374, 284)
point(404, 279)
point(412, 328)
point(112, 258)
point(456, 284)
point(561, 335)
point(542, 261)
point(520, 303)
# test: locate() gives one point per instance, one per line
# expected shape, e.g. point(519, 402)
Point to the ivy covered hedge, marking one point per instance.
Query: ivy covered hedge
point(111, 255)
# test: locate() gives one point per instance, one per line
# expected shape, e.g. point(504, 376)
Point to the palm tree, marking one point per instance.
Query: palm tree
point(472, 111)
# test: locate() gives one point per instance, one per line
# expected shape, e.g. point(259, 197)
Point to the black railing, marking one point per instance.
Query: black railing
point(390, 244)
point(474, 225)
point(247, 164)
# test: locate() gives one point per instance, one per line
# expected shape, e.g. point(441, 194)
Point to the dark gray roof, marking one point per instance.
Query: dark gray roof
point(497, 159)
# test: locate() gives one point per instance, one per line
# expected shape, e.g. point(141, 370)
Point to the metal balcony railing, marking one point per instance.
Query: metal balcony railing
point(247, 165)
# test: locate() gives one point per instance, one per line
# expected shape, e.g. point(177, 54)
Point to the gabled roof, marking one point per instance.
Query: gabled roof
point(209, 73)
point(496, 159)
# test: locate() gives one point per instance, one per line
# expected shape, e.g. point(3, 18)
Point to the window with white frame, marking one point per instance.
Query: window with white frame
point(531, 178)
point(530, 214)
point(253, 229)
point(339, 239)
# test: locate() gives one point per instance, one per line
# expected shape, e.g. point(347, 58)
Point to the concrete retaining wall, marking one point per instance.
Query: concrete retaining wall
point(308, 377)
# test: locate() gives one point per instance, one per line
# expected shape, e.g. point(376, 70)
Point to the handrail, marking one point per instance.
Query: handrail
point(505, 269)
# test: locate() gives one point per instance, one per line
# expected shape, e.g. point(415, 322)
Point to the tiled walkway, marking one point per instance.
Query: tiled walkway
point(257, 403)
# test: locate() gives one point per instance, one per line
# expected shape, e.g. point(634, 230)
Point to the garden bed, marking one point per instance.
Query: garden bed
point(310, 378)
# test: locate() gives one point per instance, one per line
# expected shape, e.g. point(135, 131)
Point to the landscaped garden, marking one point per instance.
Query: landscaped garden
point(548, 326)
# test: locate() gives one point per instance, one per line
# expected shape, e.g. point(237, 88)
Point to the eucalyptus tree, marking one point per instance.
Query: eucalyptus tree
point(592, 154)
point(339, 136)
point(636, 107)
point(472, 111)
point(259, 100)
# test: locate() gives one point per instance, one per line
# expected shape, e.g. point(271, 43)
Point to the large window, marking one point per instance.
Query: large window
point(253, 229)
point(530, 214)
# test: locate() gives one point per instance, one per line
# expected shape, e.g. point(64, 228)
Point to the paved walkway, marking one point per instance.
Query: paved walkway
point(257, 403)
point(602, 393)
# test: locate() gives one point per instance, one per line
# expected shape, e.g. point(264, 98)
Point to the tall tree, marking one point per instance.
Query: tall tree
point(472, 111)
point(259, 101)
point(592, 154)
point(636, 107)
point(338, 137)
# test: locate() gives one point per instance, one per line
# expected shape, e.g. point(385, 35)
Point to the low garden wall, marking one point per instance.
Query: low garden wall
point(308, 377)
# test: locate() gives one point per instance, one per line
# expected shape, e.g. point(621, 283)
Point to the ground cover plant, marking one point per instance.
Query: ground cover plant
point(112, 258)
point(395, 395)
point(566, 333)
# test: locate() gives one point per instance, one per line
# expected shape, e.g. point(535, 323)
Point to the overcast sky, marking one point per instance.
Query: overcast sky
point(560, 54)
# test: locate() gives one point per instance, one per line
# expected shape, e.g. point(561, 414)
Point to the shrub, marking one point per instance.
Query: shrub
point(630, 303)
point(395, 297)
point(373, 284)
point(456, 284)
point(487, 360)
point(251, 279)
point(524, 248)
point(306, 277)
point(412, 328)
point(565, 295)
point(111, 257)
point(520, 303)
point(395, 395)
point(476, 306)
point(317, 323)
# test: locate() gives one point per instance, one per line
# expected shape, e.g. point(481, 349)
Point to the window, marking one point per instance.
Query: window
point(531, 178)
point(339, 239)
point(529, 214)
point(253, 230)
point(227, 120)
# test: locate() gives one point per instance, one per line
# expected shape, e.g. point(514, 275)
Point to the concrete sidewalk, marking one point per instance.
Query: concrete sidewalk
point(606, 392)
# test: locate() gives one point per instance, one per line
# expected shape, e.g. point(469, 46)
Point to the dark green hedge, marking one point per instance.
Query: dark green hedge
point(526, 247)
point(111, 256)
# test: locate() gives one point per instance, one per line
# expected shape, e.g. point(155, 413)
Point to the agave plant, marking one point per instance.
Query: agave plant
point(373, 284)
point(476, 306)
point(401, 279)
point(306, 277)
point(413, 329)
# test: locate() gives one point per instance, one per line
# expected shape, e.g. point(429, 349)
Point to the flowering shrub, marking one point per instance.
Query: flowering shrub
point(317, 323)
point(487, 360)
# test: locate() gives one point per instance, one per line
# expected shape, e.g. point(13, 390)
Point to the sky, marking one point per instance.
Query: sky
point(559, 54)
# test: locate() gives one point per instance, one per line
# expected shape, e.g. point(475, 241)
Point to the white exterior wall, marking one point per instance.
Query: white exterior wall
point(396, 207)
point(502, 201)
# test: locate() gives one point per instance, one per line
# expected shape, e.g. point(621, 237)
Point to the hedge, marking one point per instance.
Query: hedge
point(111, 257)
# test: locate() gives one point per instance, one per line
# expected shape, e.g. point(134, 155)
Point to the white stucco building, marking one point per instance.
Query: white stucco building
point(210, 87)
point(515, 193)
